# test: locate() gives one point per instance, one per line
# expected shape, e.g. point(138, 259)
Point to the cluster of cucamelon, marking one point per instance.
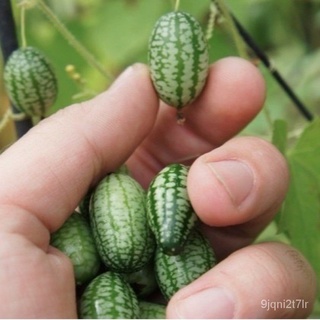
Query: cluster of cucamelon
point(127, 243)
point(30, 81)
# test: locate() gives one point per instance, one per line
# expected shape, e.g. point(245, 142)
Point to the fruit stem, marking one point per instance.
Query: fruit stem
point(180, 118)
point(23, 26)
point(5, 119)
point(73, 41)
point(176, 8)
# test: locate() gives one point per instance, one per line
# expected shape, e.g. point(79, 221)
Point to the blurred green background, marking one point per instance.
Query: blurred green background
point(116, 33)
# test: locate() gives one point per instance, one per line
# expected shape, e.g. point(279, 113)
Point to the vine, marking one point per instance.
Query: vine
point(23, 25)
point(177, 5)
point(73, 41)
point(213, 18)
point(239, 43)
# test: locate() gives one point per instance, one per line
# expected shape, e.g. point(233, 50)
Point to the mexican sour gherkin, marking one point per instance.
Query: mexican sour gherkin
point(178, 58)
point(30, 81)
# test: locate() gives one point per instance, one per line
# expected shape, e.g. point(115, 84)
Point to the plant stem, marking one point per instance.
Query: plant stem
point(242, 37)
point(239, 43)
point(213, 17)
point(176, 8)
point(274, 72)
point(73, 41)
point(23, 26)
point(9, 43)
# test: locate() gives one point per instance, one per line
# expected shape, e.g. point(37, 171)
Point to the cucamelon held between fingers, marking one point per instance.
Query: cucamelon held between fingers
point(170, 214)
point(178, 58)
point(109, 296)
point(150, 310)
point(30, 81)
point(74, 239)
point(119, 223)
point(175, 272)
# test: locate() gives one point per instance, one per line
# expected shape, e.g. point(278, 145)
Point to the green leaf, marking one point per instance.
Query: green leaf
point(279, 135)
point(300, 217)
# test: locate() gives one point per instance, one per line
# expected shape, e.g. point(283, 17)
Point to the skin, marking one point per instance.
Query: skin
point(235, 184)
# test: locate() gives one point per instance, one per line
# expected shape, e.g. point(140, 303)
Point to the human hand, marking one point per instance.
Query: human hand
point(235, 185)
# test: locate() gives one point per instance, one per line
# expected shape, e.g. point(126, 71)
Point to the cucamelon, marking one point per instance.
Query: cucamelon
point(123, 169)
point(175, 272)
point(119, 223)
point(150, 310)
point(74, 239)
point(170, 214)
point(178, 58)
point(109, 296)
point(30, 81)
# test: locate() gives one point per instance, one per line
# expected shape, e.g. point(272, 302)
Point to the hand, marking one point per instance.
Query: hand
point(235, 186)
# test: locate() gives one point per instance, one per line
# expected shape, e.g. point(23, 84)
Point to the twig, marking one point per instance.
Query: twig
point(73, 41)
point(274, 72)
point(234, 32)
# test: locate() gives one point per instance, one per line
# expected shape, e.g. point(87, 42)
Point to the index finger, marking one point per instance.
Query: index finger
point(49, 169)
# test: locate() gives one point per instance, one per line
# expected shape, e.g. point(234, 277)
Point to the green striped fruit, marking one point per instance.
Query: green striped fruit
point(75, 240)
point(123, 169)
point(170, 214)
point(119, 223)
point(109, 296)
point(30, 81)
point(178, 58)
point(175, 272)
point(150, 310)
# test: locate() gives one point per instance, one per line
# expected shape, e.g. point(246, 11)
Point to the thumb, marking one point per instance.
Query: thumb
point(266, 280)
point(49, 169)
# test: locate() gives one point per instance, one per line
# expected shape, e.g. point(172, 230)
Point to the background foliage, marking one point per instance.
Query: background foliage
point(116, 32)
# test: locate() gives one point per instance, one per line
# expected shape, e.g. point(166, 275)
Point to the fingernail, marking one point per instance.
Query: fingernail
point(236, 177)
point(213, 303)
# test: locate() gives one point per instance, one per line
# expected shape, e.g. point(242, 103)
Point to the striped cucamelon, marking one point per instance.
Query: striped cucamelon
point(175, 272)
point(109, 296)
point(119, 223)
point(150, 310)
point(170, 214)
point(74, 239)
point(178, 58)
point(30, 81)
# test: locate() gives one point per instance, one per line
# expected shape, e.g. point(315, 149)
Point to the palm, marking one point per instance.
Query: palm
point(33, 273)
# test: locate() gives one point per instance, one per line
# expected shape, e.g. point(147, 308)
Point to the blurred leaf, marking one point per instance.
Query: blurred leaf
point(279, 136)
point(300, 217)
